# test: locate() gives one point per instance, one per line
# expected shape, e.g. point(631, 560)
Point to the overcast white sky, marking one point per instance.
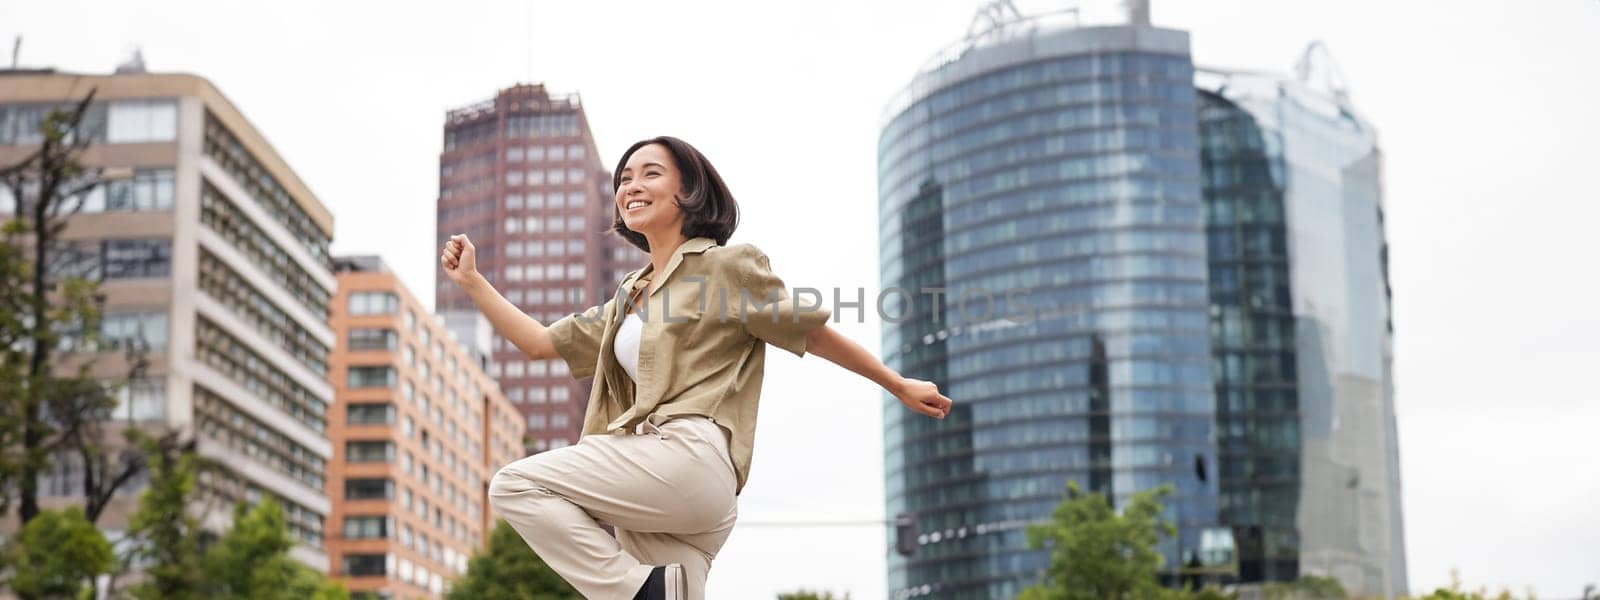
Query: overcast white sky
point(1486, 110)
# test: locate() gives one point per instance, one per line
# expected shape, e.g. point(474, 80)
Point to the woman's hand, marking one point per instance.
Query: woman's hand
point(923, 397)
point(460, 259)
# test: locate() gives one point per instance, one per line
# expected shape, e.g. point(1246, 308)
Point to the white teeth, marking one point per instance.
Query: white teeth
point(636, 203)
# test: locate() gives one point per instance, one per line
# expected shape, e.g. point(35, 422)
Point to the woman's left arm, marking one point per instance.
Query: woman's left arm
point(915, 394)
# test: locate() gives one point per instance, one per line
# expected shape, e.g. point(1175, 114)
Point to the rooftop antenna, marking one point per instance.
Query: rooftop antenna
point(16, 50)
point(134, 64)
point(1317, 70)
point(991, 18)
point(1138, 12)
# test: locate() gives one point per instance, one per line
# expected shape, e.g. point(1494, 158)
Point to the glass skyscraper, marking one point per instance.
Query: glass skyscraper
point(1128, 282)
point(1060, 164)
point(1302, 330)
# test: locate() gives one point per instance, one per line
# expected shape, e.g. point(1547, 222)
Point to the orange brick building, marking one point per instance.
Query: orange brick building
point(418, 429)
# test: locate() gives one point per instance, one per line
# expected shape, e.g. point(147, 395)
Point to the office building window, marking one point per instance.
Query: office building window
point(369, 414)
point(373, 339)
point(148, 190)
point(366, 527)
point(142, 121)
point(370, 376)
point(368, 489)
point(373, 303)
point(368, 451)
point(122, 330)
point(115, 259)
point(141, 400)
point(364, 565)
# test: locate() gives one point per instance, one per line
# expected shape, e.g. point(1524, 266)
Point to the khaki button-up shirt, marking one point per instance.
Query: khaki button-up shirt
point(702, 350)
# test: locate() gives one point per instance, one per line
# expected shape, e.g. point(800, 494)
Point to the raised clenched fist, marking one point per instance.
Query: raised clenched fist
point(460, 259)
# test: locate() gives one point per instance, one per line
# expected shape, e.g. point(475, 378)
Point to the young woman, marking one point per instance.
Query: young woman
point(677, 357)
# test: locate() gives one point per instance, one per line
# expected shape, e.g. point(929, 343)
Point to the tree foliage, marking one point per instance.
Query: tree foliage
point(805, 594)
point(252, 560)
point(1097, 552)
point(181, 560)
point(1307, 587)
point(1454, 591)
point(167, 534)
point(57, 555)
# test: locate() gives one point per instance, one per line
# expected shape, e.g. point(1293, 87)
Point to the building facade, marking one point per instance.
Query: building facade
point(1059, 162)
point(418, 429)
point(520, 174)
point(214, 255)
point(1208, 275)
point(1302, 330)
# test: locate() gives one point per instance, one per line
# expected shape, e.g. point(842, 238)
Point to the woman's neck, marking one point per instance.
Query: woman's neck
point(662, 246)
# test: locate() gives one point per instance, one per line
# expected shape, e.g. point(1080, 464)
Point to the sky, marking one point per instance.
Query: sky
point(1486, 113)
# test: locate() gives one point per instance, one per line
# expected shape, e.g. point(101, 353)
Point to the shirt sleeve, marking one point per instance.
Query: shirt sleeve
point(577, 339)
point(764, 306)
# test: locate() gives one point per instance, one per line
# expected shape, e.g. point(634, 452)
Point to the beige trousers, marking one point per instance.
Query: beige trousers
point(667, 489)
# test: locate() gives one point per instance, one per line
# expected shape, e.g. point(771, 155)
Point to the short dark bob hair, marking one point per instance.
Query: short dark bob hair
point(708, 207)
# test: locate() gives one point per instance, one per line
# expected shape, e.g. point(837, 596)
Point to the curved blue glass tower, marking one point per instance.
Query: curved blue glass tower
point(1061, 164)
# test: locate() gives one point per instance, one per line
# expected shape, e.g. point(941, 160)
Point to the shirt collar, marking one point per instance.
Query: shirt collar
point(693, 245)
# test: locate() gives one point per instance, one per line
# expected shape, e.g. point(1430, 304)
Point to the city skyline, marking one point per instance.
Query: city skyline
point(1464, 75)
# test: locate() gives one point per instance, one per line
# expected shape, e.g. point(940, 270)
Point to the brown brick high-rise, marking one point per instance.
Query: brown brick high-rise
point(521, 176)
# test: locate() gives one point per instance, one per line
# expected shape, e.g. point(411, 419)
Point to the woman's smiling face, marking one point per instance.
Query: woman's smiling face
point(648, 190)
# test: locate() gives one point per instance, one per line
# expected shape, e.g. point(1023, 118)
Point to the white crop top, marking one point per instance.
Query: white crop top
point(626, 344)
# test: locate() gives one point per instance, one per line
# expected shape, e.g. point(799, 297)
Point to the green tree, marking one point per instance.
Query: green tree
point(509, 570)
point(57, 555)
point(1307, 587)
point(166, 533)
point(252, 561)
point(1096, 552)
point(1455, 592)
point(805, 594)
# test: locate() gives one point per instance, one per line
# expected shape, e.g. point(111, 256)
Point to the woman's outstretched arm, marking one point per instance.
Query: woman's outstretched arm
point(460, 263)
point(920, 396)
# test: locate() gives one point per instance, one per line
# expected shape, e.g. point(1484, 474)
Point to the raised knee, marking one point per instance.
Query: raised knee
point(517, 478)
point(506, 481)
